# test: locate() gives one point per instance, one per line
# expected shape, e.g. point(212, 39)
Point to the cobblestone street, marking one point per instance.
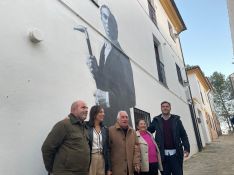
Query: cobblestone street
point(216, 159)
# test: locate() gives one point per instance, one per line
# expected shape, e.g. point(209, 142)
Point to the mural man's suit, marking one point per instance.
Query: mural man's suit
point(113, 75)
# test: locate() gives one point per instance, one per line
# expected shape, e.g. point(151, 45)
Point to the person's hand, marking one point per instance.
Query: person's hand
point(102, 98)
point(91, 62)
point(186, 154)
point(109, 172)
point(137, 168)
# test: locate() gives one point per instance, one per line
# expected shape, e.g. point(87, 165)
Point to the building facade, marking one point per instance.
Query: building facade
point(121, 54)
point(232, 80)
point(202, 95)
point(230, 6)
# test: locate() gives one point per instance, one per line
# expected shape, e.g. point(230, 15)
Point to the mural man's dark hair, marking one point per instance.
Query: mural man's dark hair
point(111, 22)
point(106, 7)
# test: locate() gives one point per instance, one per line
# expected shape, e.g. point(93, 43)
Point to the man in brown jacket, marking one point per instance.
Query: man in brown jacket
point(124, 148)
point(66, 150)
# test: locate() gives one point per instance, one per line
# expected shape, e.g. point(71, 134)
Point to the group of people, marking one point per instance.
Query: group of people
point(77, 147)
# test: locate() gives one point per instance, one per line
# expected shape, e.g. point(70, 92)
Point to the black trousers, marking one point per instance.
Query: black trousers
point(153, 170)
point(172, 166)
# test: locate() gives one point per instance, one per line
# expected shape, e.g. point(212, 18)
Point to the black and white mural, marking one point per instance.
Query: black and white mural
point(113, 74)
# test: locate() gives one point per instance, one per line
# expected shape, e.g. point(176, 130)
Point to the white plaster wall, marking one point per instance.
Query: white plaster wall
point(203, 127)
point(40, 81)
point(194, 87)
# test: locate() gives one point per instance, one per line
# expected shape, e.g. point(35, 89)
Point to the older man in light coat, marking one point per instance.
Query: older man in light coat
point(124, 148)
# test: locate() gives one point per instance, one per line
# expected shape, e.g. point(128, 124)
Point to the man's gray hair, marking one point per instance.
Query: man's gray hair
point(118, 115)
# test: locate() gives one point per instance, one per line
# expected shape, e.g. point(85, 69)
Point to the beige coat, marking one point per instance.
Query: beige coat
point(144, 153)
point(124, 151)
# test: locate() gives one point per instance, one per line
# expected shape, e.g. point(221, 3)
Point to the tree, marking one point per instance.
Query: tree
point(223, 97)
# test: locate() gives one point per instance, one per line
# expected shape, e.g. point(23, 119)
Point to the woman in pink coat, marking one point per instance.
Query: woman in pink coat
point(150, 155)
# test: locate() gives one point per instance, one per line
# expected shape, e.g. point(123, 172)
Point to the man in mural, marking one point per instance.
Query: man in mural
point(113, 75)
point(172, 140)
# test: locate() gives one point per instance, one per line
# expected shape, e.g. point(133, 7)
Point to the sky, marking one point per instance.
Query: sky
point(207, 40)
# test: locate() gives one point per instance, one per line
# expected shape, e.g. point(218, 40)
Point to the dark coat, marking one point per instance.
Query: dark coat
point(105, 144)
point(179, 135)
point(115, 76)
point(66, 148)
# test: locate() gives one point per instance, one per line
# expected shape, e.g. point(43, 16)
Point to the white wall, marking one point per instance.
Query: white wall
point(203, 127)
point(40, 81)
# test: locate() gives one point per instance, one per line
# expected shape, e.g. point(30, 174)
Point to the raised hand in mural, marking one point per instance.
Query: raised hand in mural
point(91, 62)
point(102, 98)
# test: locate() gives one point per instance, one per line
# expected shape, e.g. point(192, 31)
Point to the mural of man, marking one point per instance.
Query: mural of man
point(113, 75)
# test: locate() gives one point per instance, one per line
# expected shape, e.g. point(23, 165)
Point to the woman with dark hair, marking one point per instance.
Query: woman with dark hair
point(99, 142)
point(150, 155)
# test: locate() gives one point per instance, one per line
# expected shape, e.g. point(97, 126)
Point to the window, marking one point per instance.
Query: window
point(179, 74)
point(199, 116)
point(160, 66)
point(212, 122)
point(95, 2)
point(152, 13)
point(139, 114)
point(171, 31)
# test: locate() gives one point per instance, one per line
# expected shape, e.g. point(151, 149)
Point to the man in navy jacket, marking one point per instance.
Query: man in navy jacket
point(172, 140)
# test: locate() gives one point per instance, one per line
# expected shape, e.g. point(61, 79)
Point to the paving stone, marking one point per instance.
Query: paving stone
point(216, 158)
